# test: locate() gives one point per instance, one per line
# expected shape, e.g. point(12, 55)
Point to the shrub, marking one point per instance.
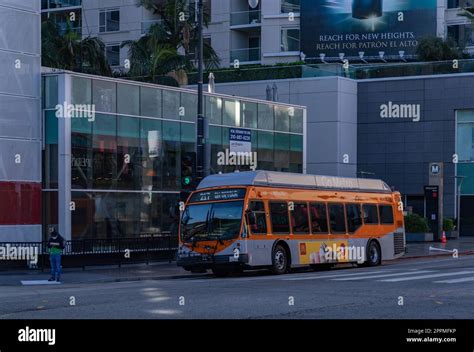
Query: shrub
point(414, 223)
point(448, 224)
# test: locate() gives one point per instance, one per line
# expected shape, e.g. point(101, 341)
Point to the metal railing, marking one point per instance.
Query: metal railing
point(88, 252)
point(245, 55)
point(245, 18)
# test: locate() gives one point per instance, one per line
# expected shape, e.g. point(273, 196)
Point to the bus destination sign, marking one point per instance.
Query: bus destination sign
point(221, 194)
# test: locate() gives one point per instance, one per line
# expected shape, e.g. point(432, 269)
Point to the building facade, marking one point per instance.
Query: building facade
point(266, 34)
point(20, 123)
point(118, 171)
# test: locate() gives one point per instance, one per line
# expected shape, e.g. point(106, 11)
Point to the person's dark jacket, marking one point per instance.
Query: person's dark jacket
point(57, 242)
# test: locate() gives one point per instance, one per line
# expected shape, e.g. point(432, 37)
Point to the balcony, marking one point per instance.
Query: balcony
point(59, 4)
point(245, 19)
point(246, 55)
point(146, 25)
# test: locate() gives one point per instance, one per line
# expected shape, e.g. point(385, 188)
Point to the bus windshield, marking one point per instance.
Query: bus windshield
point(211, 221)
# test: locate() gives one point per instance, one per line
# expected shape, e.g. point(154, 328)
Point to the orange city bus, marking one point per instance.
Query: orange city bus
point(258, 219)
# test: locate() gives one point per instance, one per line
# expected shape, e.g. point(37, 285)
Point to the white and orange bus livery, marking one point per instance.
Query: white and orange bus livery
point(257, 219)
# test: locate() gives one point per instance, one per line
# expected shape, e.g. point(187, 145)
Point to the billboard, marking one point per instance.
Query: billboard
point(364, 28)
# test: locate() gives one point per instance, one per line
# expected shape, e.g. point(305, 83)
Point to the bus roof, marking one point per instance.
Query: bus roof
point(293, 180)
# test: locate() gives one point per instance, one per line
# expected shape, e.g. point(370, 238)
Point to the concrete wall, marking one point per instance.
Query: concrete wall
point(20, 120)
point(331, 118)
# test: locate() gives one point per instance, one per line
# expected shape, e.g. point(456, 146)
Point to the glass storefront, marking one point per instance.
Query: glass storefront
point(128, 161)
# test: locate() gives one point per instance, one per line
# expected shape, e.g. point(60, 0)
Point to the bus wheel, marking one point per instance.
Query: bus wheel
point(220, 272)
point(374, 255)
point(279, 260)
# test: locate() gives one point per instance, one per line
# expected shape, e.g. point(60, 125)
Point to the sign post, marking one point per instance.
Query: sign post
point(436, 178)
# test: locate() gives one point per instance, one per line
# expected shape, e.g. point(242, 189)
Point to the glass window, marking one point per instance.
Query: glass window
point(282, 118)
point(81, 91)
point(150, 214)
point(81, 153)
point(188, 132)
point(109, 20)
point(299, 219)
point(128, 153)
point(104, 144)
point(112, 53)
point(260, 226)
point(465, 141)
point(127, 214)
point(170, 219)
point(265, 151)
point(282, 152)
point(231, 113)
point(172, 155)
point(249, 115)
point(290, 39)
point(296, 120)
point(288, 6)
point(128, 99)
point(370, 214)
point(50, 159)
point(336, 218)
point(152, 153)
point(386, 214)
point(265, 116)
point(296, 153)
point(214, 109)
point(171, 104)
point(188, 108)
point(50, 91)
point(353, 215)
point(215, 138)
point(150, 102)
point(319, 221)
point(104, 96)
point(279, 217)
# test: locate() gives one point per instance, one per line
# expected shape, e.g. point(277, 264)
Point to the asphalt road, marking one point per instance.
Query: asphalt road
point(438, 288)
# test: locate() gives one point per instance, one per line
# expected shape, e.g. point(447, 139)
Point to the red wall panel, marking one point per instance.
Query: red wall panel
point(20, 203)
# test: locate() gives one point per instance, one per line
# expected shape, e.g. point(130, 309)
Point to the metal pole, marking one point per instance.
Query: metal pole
point(202, 159)
point(458, 225)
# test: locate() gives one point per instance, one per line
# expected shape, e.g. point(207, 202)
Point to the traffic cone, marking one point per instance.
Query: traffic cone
point(443, 238)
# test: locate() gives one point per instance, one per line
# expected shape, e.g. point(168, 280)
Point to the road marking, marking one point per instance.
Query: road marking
point(455, 281)
point(427, 276)
point(313, 277)
point(384, 275)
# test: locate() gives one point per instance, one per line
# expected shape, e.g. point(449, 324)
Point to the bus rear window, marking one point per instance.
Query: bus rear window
point(279, 217)
point(336, 218)
point(319, 221)
point(386, 214)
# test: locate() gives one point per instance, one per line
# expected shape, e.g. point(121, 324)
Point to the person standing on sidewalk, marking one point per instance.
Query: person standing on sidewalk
point(56, 246)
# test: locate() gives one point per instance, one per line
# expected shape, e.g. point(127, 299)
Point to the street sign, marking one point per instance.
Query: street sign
point(240, 140)
point(432, 208)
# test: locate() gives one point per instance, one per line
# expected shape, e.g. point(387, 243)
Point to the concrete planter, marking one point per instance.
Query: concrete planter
point(419, 237)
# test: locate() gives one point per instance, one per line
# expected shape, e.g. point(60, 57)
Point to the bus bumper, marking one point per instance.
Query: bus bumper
point(209, 261)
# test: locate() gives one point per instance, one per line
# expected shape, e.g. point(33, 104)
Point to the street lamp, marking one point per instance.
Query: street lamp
point(458, 208)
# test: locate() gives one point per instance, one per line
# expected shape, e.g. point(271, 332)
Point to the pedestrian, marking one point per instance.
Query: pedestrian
point(56, 246)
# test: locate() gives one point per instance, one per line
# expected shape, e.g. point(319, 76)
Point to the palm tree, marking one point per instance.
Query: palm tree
point(69, 51)
point(181, 34)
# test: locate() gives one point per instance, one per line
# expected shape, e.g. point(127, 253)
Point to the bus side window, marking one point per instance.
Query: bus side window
point(336, 218)
point(319, 220)
point(386, 214)
point(260, 226)
point(370, 214)
point(299, 219)
point(354, 220)
point(279, 217)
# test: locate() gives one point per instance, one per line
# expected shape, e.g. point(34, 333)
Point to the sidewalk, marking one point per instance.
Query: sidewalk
point(163, 271)
point(465, 245)
point(133, 272)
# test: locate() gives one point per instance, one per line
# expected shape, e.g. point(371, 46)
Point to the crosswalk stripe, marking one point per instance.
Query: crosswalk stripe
point(383, 275)
point(455, 281)
point(313, 277)
point(427, 276)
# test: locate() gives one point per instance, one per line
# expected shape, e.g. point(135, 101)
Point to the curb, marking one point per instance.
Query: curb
point(471, 252)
